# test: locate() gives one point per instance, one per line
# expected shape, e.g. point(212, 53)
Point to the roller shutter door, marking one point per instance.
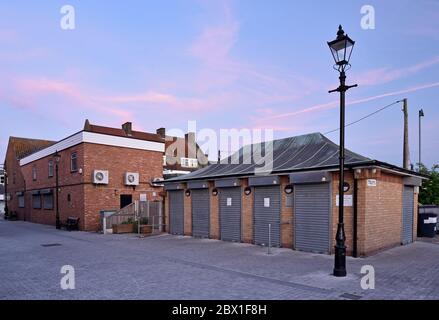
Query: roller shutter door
point(267, 211)
point(407, 215)
point(312, 217)
point(230, 214)
point(176, 212)
point(200, 213)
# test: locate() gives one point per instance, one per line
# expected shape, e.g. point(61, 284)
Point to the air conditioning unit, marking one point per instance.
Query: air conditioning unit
point(158, 182)
point(100, 176)
point(131, 178)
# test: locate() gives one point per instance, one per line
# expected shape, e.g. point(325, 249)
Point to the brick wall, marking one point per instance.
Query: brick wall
point(214, 213)
point(286, 217)
point(247, 204)
point(16, 184)
point(78, 196)
point(380, 213)
point(117, 161)
point(166, 212)
point(187, 215)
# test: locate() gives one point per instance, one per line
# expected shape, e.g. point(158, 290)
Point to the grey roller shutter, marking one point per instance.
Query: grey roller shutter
point(176, 212)
point(407, 215)
point(230, 214)
point(200, 213)
point(312, 217)
point(267, 211)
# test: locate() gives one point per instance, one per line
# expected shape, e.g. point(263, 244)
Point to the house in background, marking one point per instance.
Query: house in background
point(182, 155)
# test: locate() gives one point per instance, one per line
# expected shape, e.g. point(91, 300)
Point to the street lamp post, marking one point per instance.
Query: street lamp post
point(341, 49)
point(421, 114)
point(57, 157)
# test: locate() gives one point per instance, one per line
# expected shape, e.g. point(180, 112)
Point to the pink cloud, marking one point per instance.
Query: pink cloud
point(385, 74)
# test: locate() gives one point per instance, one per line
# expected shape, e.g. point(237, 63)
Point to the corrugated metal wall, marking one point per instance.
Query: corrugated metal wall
point(267, 211)
point(407, 215)
point(200, 213)
point(176, 212)
point(230, 214)
point(312, 217)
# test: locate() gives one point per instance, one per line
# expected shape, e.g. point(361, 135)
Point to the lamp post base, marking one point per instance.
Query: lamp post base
point(58, 224)
point(340, 261)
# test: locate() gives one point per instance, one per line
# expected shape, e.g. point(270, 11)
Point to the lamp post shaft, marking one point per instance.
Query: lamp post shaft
point(58, 222)
point(340, 248)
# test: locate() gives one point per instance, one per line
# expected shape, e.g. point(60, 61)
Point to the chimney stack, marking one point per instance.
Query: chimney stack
point(191, 145)
point(127, 127)
point(161, 132)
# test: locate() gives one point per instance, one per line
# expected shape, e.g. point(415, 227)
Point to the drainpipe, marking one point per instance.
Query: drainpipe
point(355, 228)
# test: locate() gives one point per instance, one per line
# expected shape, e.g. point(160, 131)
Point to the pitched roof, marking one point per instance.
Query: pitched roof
point(24, 147)
point(305, 152)
point(122, 133)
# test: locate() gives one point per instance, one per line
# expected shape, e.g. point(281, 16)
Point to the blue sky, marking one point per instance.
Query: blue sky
point(225, 64)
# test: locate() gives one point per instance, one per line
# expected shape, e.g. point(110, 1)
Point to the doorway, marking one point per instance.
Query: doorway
point(125, 200)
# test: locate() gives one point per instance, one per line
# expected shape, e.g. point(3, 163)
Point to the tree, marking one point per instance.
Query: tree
point(429, 191)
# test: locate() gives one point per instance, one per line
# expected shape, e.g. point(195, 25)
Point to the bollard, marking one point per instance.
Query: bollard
point(104, 225)
point(269, 238)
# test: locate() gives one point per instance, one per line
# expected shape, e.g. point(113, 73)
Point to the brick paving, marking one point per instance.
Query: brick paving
point(175, 267)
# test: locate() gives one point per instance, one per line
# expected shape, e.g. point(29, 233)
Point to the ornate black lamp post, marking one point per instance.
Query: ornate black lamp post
point(57, 157)
point(341, 49)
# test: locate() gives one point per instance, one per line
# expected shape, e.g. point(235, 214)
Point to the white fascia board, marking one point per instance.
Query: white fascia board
point(175, 172)
point(97, 138)
point(123, 142)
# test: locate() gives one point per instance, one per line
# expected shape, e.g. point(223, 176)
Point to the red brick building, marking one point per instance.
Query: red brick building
point(100, 168)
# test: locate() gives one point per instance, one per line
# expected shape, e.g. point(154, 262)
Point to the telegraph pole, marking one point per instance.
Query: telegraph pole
point(406, 153)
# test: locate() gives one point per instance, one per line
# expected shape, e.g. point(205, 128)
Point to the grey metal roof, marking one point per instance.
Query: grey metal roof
point(305, 152)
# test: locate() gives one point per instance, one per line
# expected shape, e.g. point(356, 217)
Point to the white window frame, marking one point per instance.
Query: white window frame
point(189, 162)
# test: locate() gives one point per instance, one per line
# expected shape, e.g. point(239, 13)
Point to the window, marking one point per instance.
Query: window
point(164, 160)
point(50, 168)
point(74, 162)
point(189, 162)
point(36, 201)
point(2, 179)
point(20, 201)
point(48, 201)
point(34, 173)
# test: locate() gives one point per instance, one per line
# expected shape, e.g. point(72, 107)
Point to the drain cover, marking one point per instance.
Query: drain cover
point(51, 244)
point(350, 296)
